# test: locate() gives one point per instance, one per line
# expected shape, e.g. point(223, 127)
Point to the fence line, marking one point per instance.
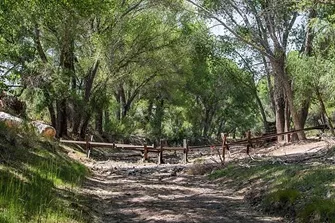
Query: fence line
point(145, 149)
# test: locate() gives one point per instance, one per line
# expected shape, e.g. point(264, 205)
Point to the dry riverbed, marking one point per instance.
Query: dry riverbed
point(123, 189)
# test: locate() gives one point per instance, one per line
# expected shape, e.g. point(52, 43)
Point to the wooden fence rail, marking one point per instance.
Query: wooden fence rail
point(145, 149)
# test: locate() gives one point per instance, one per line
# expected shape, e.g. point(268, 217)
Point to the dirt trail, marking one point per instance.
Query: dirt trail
point(151, 194)
point(129, 191)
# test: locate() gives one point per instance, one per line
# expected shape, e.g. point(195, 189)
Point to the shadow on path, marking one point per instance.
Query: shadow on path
point(153, 195)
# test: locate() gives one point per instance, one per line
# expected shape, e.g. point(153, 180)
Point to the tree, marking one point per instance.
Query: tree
point(265, 26)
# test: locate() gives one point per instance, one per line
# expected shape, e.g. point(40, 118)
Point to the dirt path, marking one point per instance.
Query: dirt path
point(129, 191)
point(151, 194)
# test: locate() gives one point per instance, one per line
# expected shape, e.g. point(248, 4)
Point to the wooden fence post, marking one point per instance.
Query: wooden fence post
point(160, 153)
point(145, 152)
point(185, 146)
point(88, 144)
point(249, 142)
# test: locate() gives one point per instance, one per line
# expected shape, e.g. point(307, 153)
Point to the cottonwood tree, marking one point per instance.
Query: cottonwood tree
point(61, 56)
point(142, 52)
point(265, 26)
point(312, 68)
point(54, 40)
point(215, 85)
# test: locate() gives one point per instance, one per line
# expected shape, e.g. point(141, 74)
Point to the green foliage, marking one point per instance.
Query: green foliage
point(151, 68)
point(319, 210)
point(310, 74)
point(285, 196)
point(282, 201)
point(37, 180)
point(303, 192)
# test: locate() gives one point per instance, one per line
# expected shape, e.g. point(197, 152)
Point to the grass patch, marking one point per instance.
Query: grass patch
point(303, 192)
point(37, 180)
point(318, 210)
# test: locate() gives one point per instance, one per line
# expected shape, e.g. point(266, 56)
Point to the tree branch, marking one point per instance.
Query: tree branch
point(211, 15)
point(288, 29)
point(39, 45)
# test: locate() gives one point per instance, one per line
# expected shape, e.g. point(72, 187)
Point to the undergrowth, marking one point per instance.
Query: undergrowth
point(304, 192)
point(37, 180)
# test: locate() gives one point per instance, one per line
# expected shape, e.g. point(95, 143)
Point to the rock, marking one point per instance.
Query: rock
point(133, 172)
point(178, 169)
point(173, 174)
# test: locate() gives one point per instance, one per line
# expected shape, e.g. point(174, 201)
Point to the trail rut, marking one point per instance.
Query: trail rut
point(162, 194)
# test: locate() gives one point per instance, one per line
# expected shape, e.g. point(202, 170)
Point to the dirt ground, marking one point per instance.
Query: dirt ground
point(123, 189)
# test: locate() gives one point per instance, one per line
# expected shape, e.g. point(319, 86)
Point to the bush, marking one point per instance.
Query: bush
point(318, 210)
point(282, 202)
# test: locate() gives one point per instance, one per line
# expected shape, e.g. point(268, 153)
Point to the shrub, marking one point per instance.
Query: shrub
point(282, 202)
point(318, 210)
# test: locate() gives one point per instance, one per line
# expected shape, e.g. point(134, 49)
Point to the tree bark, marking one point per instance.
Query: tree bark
point(280, 107)
point(61, 125)
point(324, 111)
point(77, 117)
point(158, 119)
point(303, 112)
point(294, 113)
point(52, 115)
point(307, 50)
point(49, 101)
point(270, 87)
point(282, 84)
point(206, 122)
point(287, 121)
point(219, 131)
point(84, 126)
point(107, 120)
point(261, 109)
point(99, 121)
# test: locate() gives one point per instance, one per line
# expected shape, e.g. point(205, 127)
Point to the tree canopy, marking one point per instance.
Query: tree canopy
point(155, 69)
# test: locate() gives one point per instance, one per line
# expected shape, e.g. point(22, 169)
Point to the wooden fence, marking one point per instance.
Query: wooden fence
point(145, 149)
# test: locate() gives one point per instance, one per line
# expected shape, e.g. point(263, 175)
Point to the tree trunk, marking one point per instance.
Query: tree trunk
point(84, 126)
point(261, 109)
point(99, 121)
point(125, 109)
point(270, 87)
point(50, 106)
point(303, 112)
point(118, 100)
point(66, 60)
point(158, 118)
point(307, 50)
point(308, 46)
point(61, 125)
point(149, 111)
point(123, 101)
point(287, 121)
point(52, 115)
point(222, 122)
point(280, 108)
point(295, 117)
point(282, 84)
point(206, 122)
point(107, 120)
point(324, 112)
point(77, 117)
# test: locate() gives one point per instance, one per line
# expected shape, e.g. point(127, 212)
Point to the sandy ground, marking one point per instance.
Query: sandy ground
point(122, 189)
